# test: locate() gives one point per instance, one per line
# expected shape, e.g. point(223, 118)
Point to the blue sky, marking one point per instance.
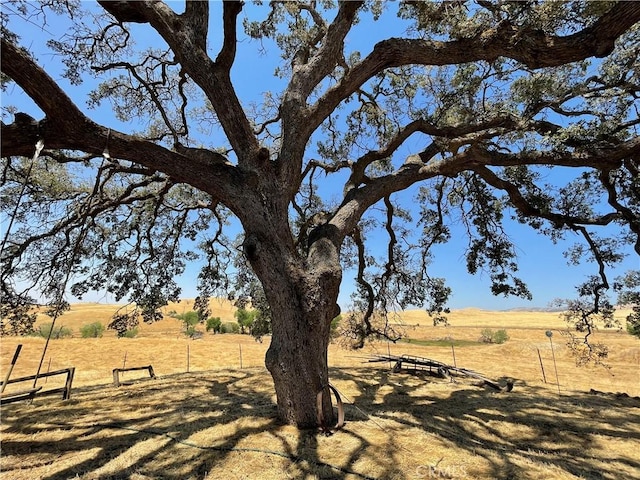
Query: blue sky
point(541, 263)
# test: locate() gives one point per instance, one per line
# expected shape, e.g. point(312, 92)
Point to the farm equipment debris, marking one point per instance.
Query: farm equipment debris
point(434, 368)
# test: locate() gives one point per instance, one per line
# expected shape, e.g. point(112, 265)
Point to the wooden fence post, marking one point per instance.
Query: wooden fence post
point(13, 363)
point(66, 395)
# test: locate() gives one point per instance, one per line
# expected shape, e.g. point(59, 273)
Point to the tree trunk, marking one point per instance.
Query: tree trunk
point(297, 361)
point(303, 304)
point(302, 295)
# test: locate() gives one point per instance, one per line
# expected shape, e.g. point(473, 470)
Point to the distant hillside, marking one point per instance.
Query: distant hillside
point(533, 309)
point(85, 313)
point(619, 308)
point(88, 312)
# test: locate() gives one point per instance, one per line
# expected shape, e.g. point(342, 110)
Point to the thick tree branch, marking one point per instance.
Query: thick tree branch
point(475, 158)
point(304, 79)
point(196, 17)
point(41, 88)
point(301, 57)
point(533, 48)
point(452, 138)
point(597, 157)
point(20, 137)
point(358, 200)
point(211, 76)
point(124, 11)
point(227, 54)
point(521, 203)
point(212, 172)
point(66, 127)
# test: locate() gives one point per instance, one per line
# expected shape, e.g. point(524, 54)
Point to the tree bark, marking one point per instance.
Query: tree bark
point(297, 361)
point(302, 293)
point(303, 305)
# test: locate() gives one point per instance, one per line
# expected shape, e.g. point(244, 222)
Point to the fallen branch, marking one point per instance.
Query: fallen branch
point(438, 369)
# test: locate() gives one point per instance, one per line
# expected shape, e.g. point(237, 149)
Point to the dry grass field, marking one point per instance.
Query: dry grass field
point(210, 414)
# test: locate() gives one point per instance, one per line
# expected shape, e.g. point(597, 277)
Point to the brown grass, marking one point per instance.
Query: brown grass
point(218, 421)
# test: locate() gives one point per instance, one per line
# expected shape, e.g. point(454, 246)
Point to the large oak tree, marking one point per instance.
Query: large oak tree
point(472, 106)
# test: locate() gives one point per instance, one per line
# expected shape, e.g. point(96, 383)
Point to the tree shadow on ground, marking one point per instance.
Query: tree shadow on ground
point(223, 424)
point(526, 429)
point(178, 426)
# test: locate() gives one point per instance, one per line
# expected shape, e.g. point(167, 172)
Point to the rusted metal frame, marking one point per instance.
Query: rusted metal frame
point(322, 422)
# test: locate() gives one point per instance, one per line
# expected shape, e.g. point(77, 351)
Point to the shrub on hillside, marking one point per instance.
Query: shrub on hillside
point(489, 336)
point(633, 326)
point(245, 319)
point(500, 336)
point(190, 320)
point(335, 323)
point(214, 324)
point(633, 321)
point(486, 335)
point(92, 330)
point(58, 332)
point(229, 327)
point(131, 333)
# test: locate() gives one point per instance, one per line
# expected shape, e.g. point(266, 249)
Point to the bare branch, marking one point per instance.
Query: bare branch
point(78, 217)
point(370, 296)
point(520, 202)
point(264, 125)
point(211, 76)
point(612, 197)
point(390, 266)
point(150, 88)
